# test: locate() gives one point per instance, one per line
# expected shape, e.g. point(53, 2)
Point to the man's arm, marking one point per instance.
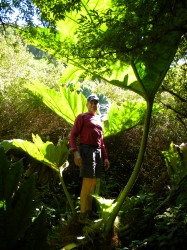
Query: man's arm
point(106, 164)
point(104, 155)
point(75, 131)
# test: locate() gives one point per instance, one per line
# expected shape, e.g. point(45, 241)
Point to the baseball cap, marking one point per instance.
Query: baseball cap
point(92, 97)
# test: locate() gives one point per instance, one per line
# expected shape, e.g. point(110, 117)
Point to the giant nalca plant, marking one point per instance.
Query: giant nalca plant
point(68, 103)
point(50, 155)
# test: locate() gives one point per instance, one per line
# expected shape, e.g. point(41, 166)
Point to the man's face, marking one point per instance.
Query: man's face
point(92, 106)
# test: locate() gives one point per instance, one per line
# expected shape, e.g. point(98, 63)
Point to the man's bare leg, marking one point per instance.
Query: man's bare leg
point(88, 188)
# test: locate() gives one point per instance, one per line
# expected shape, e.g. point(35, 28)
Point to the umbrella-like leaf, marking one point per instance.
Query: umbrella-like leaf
point(66, 103)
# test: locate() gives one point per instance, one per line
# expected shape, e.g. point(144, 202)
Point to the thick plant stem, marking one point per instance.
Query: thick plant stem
point(121, 198)
point(67, 193)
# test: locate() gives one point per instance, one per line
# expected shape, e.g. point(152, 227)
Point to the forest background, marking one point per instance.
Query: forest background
point(23, 114)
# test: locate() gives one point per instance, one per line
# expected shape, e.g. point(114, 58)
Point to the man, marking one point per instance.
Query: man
point(88, 130)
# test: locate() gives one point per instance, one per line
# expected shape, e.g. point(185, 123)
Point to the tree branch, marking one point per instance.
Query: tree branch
point(174, 110)
point(174, 94)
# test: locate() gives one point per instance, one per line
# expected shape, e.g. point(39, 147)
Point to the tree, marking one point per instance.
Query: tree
point(174, 86)
point(16, 12)
point(17, 67)
point(25, 13)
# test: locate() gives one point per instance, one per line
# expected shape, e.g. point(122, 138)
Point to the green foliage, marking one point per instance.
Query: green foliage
point(53, 156)
point(55, 10)
point(18, 209)
point(17, 67)
point(169, 231)
point(135, 214)
point(96, 40)
point(105, 206)
point(105, 39)
point(128, 115)
point(66, 104)
point(17, 12)
point(45, 152)
point(176, 162)
point(172, 94)
point(71, 74)
point(164, 229)
point(169, 227)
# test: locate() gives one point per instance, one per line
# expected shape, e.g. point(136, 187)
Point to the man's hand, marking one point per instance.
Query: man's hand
point(77, 159)
point(106, 164)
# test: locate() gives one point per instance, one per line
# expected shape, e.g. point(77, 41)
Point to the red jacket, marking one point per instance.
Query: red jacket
point(88, 128)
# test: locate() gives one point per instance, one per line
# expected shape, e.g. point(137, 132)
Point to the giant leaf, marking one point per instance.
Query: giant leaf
point(45, 152)
point(66, 103)
point(102, 37)
point(128, 115)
